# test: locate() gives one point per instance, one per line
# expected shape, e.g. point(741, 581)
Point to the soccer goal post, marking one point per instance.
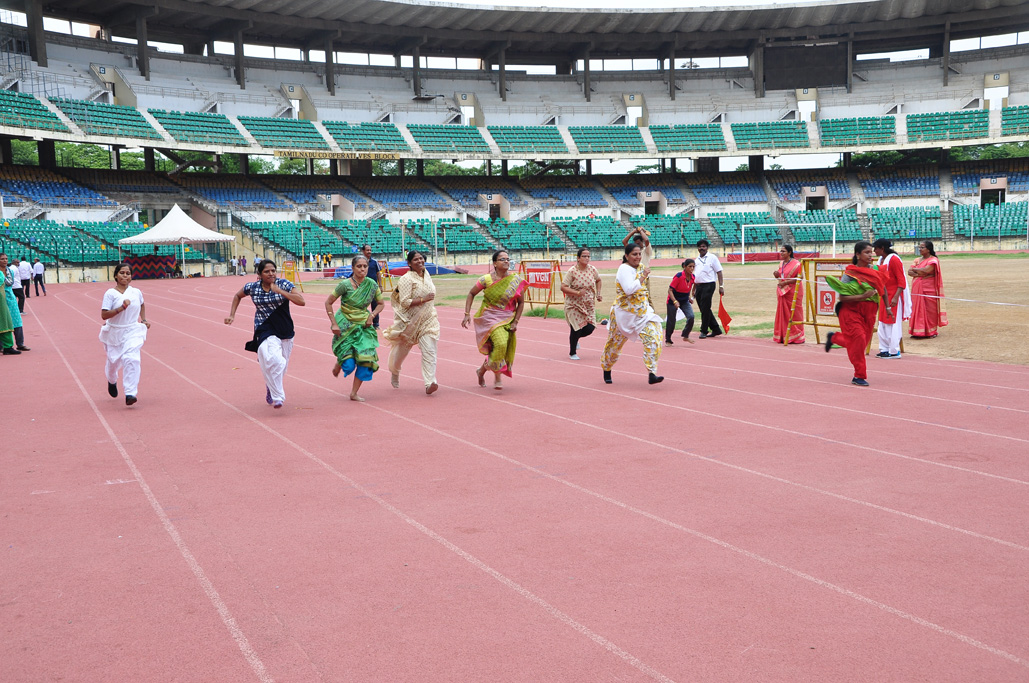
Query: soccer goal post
point(743, 233)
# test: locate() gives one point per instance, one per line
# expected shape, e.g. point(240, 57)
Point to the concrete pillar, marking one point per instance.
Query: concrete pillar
point(662, 165)
point(586, 75)
point(671, 72)
point(142, 51)
point(47, 154)
point(241, 76)
point(850, 64)
point(416, 79)
point(846, 160)
point(502, 64)
point(37, 39)
point(589, 167)
point(673, 169)
point(489, 167)
point(6, 152)
point(330, 67)
point(420, 168)
point(148, 159)
point(115, 157)
point(244, 163)
point(756, 163)
point(757, 62)
point(946, 53)
point(401, 167)
point(503, 167)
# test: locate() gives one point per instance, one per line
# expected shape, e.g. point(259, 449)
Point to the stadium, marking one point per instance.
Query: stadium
point(751, 523)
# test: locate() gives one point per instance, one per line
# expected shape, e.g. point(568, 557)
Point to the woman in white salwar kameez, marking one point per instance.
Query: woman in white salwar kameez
point(123, 333)
point(273, 327)
point(414, 322)
point(633, 317)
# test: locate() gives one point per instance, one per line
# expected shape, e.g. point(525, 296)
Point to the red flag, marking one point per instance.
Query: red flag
point(723, 316)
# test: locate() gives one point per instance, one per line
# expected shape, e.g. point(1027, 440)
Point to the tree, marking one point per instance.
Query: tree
point(649, 168)
point(24, 153)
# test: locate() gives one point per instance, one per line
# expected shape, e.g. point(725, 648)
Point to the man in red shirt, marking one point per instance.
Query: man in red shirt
point(680, 296)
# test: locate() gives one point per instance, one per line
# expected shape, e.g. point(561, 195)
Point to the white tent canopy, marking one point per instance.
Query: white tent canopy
point(177, 228)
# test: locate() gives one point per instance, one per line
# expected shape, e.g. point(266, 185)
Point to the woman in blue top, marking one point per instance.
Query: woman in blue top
point(273, 326)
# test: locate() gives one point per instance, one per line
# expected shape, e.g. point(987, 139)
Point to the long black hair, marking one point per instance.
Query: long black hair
point(858, 248)
point(885, 245)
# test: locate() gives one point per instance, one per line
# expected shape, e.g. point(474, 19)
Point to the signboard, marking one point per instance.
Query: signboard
point(826, 299)
point(314, 154)
point(537, 273)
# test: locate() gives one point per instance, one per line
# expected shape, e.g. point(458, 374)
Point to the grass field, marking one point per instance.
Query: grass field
point(977, 330)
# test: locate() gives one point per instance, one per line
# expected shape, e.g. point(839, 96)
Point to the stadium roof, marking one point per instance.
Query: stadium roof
point(548, 35)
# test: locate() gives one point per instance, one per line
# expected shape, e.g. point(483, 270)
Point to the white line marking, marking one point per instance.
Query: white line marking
point(209, 590)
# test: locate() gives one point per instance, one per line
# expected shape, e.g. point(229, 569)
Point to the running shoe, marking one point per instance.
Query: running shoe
point(859, 382)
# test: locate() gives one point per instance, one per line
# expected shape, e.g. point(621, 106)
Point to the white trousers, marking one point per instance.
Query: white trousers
point(273, 356)
point(125, 359)
point(890, 334)
point(427, 345)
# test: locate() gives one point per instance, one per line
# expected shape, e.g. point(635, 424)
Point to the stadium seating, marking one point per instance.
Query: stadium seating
point(24, 110)
point(563, 191)
point(599, 231)
point(521, 235)
point(1015, 120)
point(728, 226)
point(900, 181)
point(448, 138)
point(466, 189)
point(305, 190)
point(110, 233)
point(108, 181)
point(382, 237)
point(688, 137)
point(400, 193)
point(967, 174)
point(770, 135)
point(299, 237)
point(199, 127)
point(288, 133)
point(56, 241)
point(950, 125)
point(866, 130)
point(95, 118)
point(788, 184)
point(604, 139)
point(234, 191)
point(367, 137)
point(1009, 219)
point(846, 220)
point(451, 236)
point(907, 222)
point(626, 188)
point(668, 231)
point(528, 139)
point(47, 188)
point(725, 188)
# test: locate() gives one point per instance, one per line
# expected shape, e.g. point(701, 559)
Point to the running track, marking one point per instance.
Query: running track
point(754, 518)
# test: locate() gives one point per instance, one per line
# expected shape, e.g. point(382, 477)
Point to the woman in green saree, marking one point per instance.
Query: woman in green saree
point(354, 340)
point(497, 320)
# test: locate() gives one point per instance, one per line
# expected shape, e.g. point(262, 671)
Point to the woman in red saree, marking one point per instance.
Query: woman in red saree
point(927, 312)
point(859, 288)
point(788, 316)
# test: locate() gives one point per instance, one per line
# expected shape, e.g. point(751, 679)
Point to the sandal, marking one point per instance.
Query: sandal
point(480, 372)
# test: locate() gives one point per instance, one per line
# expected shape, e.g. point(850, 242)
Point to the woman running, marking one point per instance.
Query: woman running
point(124, 331)
point(581, 287)
point(414, 322)
point(632, 316)
point(354, 338)
point(497, 320)
point(273, 326)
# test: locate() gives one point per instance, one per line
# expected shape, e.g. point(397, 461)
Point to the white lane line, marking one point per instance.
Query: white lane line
point(198, 572)
point(625, 506)
point(625, 656)
point(611, 647)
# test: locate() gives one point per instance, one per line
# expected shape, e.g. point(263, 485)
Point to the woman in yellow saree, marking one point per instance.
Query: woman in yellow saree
point(497, 320)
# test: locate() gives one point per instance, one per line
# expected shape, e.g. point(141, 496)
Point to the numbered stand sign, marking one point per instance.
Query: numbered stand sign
point(819, 298)
point(544, 279)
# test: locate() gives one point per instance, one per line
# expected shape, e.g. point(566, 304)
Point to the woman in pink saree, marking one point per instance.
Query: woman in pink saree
point(927, 314)
point(497, 320)
point(785, 291)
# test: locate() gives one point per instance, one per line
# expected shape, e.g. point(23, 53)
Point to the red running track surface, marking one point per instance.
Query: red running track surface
point(753, 518)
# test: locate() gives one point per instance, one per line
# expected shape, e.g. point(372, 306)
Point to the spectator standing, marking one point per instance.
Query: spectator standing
point(37, 277)
point(708, 270)
point(242, 266)
point(234, 264)
point(373, 273)
point(25, 274)
point(14, 277)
